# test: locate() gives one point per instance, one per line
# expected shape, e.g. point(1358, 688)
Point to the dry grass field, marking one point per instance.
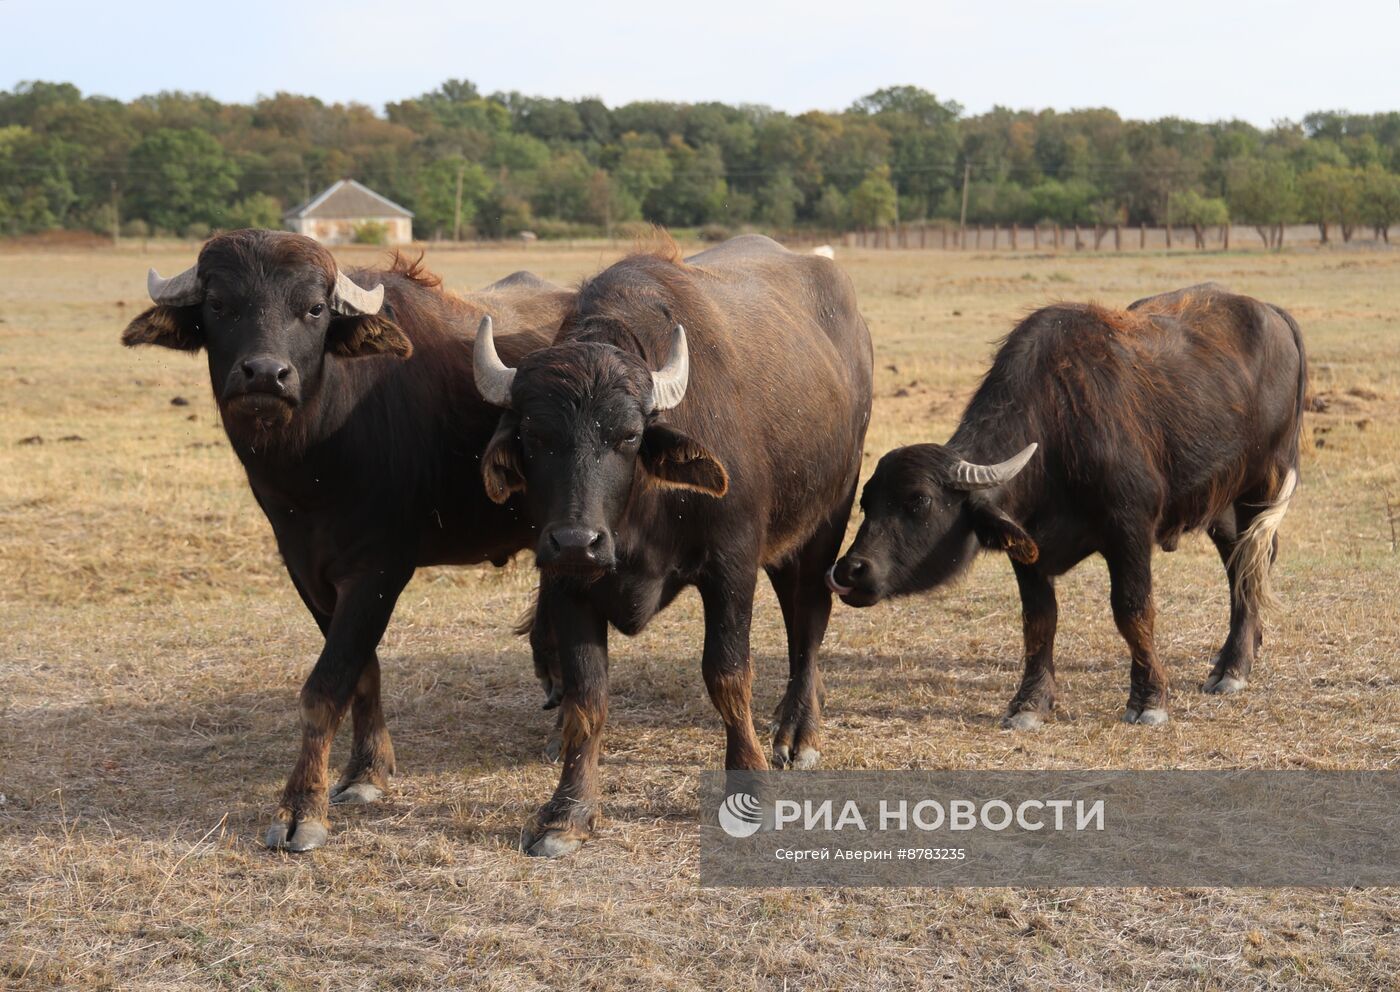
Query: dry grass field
point(151, 648)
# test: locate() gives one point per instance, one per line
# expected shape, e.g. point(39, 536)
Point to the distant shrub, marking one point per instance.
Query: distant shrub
point(197, 231)
point(559, 230)
point(371, 232)
point(99, 221)
point(137, 228)
point(257, 210)
point(633, 230)
point(713, 232)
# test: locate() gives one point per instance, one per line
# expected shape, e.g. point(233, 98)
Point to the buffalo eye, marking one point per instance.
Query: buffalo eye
point(216, 305)
point(918, 506)
point(317, 310)
point(629, 439)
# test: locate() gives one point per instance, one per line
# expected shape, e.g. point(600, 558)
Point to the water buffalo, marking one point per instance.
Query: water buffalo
point(1126, 428)
point(354, 414)
point(694, 420)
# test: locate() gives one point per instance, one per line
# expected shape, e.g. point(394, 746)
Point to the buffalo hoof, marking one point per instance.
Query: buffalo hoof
point(1024, 720)
point(1148, 717)
point(554, 746)
point(356, 793)
point(555, 843)
point(1224, 685)
point(806, 758)
point(306, 835)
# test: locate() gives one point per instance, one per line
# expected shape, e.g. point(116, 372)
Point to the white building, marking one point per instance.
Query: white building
point(332, 217)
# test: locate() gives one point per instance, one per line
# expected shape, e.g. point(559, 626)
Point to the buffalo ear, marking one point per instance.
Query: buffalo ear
point(994, 529)
point(502, 463)
point(675, 461)
point(367, 334)
point(169, 327)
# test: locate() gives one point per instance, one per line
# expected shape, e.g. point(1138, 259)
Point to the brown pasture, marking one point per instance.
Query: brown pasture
point(151, 649)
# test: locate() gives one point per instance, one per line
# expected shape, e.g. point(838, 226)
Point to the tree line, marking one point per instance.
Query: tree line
point(498, 164)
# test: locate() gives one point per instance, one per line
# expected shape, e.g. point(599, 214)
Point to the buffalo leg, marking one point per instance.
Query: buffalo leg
point(1130, 575)
point(366, 774)
point(728, 664)
point(806, 604)
point(364, 605)
point(1039, 617)
point(1235, 660)
point(561, 825)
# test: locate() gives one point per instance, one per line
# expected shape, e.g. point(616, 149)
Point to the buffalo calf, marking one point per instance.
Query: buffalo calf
point(1103, 431)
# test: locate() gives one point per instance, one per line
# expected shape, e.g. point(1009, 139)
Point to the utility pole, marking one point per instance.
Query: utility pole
point(457, 205)
point(962, 220)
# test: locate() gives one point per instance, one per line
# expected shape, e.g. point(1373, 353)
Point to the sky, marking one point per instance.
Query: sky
point(1258, 60)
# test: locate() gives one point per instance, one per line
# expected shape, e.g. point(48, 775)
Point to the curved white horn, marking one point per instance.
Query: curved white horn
point(668, 382)
point(493, 376)
point(177, 291)
point(352, 299)
point(969, 475)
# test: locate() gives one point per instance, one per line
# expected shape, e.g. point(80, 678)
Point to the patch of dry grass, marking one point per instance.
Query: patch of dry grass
point(152, 649)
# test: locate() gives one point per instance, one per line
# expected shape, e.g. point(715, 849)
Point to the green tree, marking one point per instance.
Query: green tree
point(609, 202)
point(35, 192)
point(1380, 199)
point(1199, 212)
point(1262, 192)
point(696, 193)
point(179, 178)
point(435, 196)
point(1330, 194)
point(924, 143)
point(562, 187)
point(778, 202)
point(504, 213)
point(873, 202)
point(832, 209)
point(255, 210)
point(640, 165)
point(1069, 202)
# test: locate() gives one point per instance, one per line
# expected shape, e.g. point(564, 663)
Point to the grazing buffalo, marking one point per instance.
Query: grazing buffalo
point(694, 420)
point(353, 411)
point(1125, 429)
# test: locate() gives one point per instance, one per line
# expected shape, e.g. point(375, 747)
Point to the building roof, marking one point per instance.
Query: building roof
point(347, 200)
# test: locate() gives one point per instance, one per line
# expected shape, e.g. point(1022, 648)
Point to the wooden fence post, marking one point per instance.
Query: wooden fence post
point(996, 230)
point(1035, 236)
point(1142, 235)
point(1225, 240)
point(1013, 237)
point(1169, 237)
point(1117, 237)
point(1056, 230)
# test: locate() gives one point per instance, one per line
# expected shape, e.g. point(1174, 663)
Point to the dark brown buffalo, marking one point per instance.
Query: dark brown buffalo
point(353, 411)
point(1132, 426)
point(694, 421)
